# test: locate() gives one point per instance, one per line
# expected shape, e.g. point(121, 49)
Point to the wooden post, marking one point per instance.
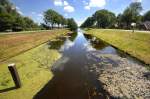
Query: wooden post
point(15, 75)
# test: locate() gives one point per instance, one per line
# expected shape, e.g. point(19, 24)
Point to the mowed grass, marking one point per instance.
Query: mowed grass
point(13, 44)
point(33, 67)
point(136, 44)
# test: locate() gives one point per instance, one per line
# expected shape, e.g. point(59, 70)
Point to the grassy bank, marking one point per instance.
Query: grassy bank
point(20, 42)
point(33, 68)
point(136, 44)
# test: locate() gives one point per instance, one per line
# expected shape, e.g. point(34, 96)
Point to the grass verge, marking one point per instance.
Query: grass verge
point(34, 69)
point(136, 44)
point(13, 44)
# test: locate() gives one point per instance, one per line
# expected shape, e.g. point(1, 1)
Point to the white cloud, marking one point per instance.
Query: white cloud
point(58, 3)
point(69, 8)
point(67, 45)
point(95, 3)
point(88, 47)
point(66, 3)
point(87, 7)
point(40, 15)
point(137, 0)
point(84, 2)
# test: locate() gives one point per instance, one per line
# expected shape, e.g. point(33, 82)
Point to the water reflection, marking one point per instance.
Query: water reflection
point(68, 43)
point(96, 43)
point(55, 44)
point(72, 36)
point(72, 77)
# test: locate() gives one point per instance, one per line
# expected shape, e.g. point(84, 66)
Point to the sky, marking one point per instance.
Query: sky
point(77, 9)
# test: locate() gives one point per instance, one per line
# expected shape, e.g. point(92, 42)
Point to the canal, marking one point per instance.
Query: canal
point(72, 76)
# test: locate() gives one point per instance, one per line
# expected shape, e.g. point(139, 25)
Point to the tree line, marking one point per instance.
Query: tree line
point(53, 19)
point(12, 20)
point(107, 19)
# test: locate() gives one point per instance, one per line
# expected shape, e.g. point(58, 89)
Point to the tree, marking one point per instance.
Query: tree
point(6, 21)
point(19, 24)
point(132, 14)
point(63, 22)
point(89, 22)
point(50, 17)
point(101, 18)
point(29, 24)
point(104, 18)
point(10, 19)
point(72, 24)
point(146, 16)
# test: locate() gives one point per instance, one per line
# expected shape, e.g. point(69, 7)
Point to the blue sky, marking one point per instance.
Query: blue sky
point(78, 9)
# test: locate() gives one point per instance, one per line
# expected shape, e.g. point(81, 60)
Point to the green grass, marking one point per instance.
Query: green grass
point(20, 42)
point(34, 69)
point(136, 44)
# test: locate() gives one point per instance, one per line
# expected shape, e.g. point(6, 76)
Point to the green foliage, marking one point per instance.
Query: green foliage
point(11, 20)
point(29, 24)
point(104, 18)
point(146, 16)
point(50, 17)
point(53, 19)
point(72, 24)
point(6, 21)
point(101, 19)
point(131, 14)
point(18, 24)
point(88, 22)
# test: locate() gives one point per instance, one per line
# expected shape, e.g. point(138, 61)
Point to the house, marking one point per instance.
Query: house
point(145, 25)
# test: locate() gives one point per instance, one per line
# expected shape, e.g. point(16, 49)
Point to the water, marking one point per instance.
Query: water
point(72, 77)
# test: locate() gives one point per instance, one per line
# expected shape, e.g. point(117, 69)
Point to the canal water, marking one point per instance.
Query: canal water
point(72, 77)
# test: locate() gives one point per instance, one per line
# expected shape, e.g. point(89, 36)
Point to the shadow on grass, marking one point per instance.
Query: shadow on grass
point(7, 89)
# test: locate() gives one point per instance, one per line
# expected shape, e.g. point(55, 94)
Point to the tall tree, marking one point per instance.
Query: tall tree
point(50, 17)
point(10, 19)
point(6, 21)
point(104, 18)
point(72, 24)
point(89, 22)
point(146, 16)
point(132, 14)
point(19, 24)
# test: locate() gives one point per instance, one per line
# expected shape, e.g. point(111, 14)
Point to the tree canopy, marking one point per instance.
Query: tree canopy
point(146, 16)
point(89, 22)
point(132, 14)
point(107, 19)
point(104, 18)
point(54, 19)
point(11, 20)
point(71, 24)
point(101, 19)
